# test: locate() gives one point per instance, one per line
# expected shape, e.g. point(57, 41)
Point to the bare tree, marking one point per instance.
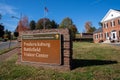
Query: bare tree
point(23, 24)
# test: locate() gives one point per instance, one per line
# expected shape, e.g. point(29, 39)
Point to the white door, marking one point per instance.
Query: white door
point(113, 36)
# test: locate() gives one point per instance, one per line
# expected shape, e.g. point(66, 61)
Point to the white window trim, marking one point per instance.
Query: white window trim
point(106, 35)
point(106, 26)
point(118, 21)
point(96, 36)
point(112, 23)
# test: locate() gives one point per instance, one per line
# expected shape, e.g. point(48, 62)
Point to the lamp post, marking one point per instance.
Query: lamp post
point(10, 34)
point(10, 40)
point(16, 18)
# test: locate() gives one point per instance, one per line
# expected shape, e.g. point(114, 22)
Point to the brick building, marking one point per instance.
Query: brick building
point(98, 35)
point(110, 29)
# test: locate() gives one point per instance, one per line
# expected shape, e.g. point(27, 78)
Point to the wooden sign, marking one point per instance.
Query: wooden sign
point(43, 48)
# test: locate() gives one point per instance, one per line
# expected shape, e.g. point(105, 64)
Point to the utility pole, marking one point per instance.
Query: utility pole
point(10, 41)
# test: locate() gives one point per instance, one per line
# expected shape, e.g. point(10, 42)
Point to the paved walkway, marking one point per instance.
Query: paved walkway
point(5, 56)
point(115, 44)
point(4, 45)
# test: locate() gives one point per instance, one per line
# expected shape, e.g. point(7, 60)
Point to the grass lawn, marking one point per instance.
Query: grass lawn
point(91, 62)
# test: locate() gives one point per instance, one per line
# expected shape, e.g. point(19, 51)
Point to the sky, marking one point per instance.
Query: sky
point(80, 11)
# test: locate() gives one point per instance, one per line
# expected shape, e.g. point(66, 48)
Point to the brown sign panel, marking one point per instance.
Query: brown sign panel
point(44, 48)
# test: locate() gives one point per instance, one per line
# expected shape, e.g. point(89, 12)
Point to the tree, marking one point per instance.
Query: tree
point(43, 23)
point(32, 25)
point(93, 29)
point(54, 24)
point(24, 21)
point(89, 28)
point(23, 25)
point(73, 30)
point(100, 24)
point(68, 23)
point(16, 34)
point(7, 34)
point(1, 30)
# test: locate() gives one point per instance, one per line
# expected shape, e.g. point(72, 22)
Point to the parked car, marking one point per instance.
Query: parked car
point(4, 40)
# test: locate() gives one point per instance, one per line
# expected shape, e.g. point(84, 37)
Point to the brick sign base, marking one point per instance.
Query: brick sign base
point(61, 59)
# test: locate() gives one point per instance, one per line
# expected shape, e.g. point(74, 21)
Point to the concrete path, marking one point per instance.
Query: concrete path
point(115, 44)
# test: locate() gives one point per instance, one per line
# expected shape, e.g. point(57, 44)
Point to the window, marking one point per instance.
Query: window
point(112, 23)
point(96, 36)
point(119, 33)
point(106, 35)
point(101, 36)
point(119, 21)
point(113, 35)
point(105, 25)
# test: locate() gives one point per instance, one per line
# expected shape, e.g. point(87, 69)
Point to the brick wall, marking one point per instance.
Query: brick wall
point(110, 28)
point(98, 37)
point(66, 48)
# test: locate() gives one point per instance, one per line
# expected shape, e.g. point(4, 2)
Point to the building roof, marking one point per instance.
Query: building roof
point(112, 13)
point(117, 10)
point(98, 30)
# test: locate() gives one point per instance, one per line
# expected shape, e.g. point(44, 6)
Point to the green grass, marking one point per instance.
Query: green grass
point(95, 51)
point(83, 53)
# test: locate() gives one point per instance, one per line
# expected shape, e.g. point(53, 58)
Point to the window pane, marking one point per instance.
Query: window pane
point(119, 33)
point(113, 35)
point(119, 21)
point(113, 23)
